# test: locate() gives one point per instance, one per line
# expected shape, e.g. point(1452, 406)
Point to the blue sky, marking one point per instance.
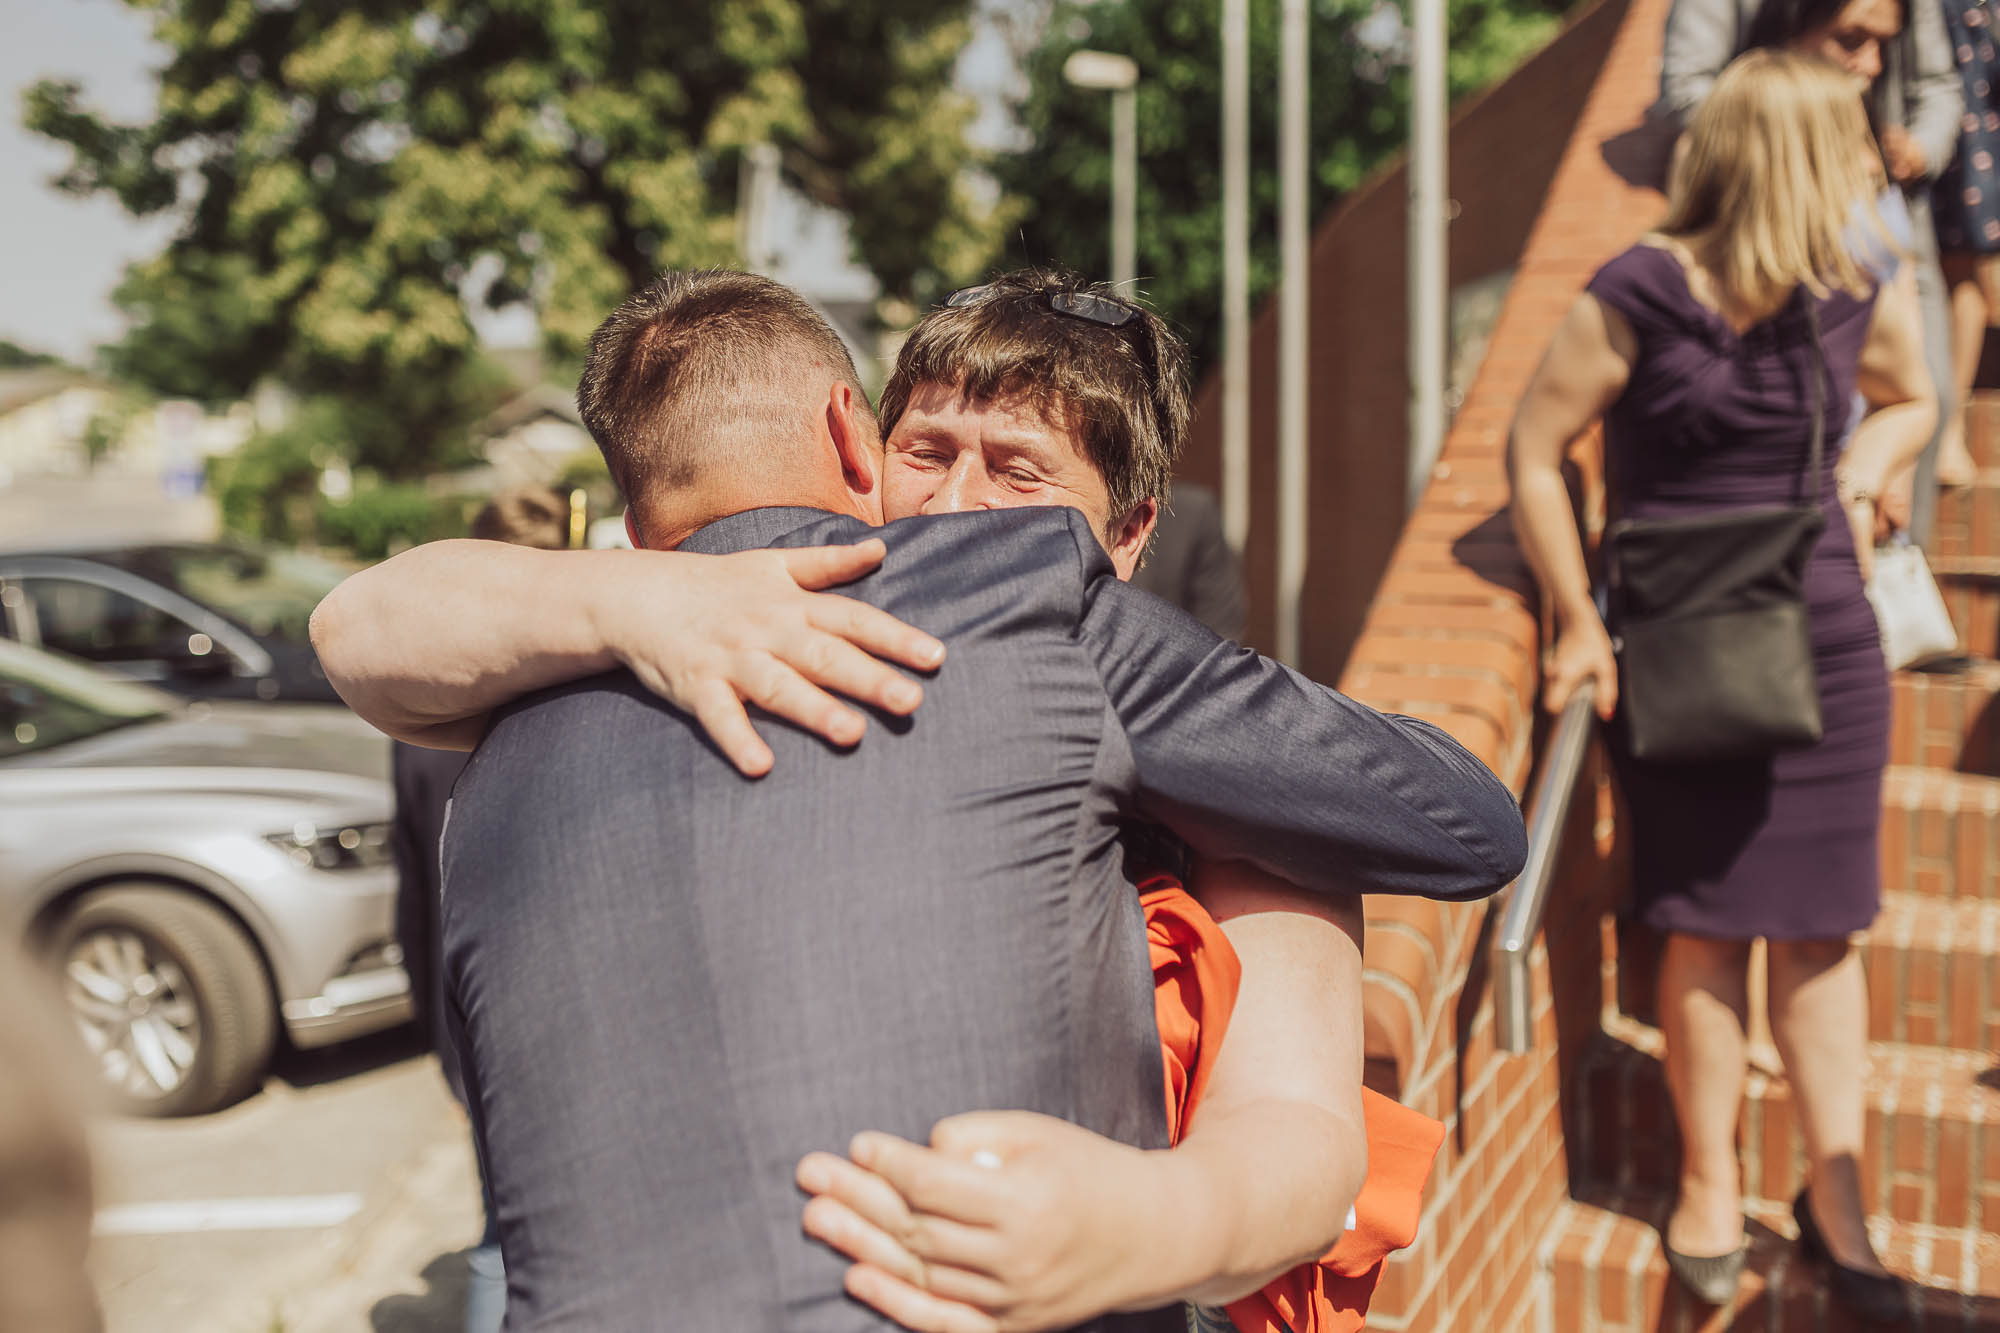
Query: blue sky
point(60, 256)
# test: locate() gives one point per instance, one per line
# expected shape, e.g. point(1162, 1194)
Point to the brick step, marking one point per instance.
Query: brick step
point(1934, 972)
point(1968, 520)
point(1941, 833)
point(1982, 414)
point(1606, 1274)
point(1946, 721)
point(1971, 587)
point(1932, 1154)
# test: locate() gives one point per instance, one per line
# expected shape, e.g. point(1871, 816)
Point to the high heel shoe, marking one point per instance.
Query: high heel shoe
point(1710, 1279)
point(1881, 1298)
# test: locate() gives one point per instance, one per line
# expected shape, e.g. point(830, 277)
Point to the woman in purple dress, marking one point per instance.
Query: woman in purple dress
point(1696, 350)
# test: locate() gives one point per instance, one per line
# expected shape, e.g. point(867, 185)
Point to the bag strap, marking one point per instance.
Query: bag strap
point(1809, 479)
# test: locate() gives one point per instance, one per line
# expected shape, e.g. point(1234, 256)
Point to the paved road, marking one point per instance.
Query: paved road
point(371, 1119)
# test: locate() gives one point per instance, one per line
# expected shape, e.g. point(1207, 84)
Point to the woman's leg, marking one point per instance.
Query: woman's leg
point(1819, 1016)
point(1969, 318)
point(1703, 998)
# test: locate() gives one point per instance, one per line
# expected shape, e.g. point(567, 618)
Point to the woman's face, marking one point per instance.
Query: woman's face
point(1855, 37)
point(948, 455)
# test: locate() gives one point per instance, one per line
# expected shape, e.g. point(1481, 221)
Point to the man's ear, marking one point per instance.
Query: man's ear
point(1128, 540)
point(632, 531)
point(857, 441)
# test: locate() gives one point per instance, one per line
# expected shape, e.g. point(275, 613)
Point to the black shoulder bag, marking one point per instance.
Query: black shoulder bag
point(1709, 617)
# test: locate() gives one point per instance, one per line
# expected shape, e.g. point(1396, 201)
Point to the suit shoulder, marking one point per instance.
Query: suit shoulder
point(1020, 540)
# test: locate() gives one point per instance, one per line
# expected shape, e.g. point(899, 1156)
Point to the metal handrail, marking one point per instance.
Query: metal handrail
point(1528, 897)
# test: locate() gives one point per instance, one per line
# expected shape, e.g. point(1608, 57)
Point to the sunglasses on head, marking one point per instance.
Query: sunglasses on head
point(1106, 310)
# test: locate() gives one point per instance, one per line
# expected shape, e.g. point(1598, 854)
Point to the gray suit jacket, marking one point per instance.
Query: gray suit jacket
point(671, 982)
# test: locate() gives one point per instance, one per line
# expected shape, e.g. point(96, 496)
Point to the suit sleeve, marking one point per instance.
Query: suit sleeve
point(1935, 103)
point(1701, 38)
point(1248, 760)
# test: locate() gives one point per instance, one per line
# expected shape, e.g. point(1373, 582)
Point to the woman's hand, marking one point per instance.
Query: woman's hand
point(1582, 653)
point(1009, 1222)
point(1864, 516)
point(711, 634)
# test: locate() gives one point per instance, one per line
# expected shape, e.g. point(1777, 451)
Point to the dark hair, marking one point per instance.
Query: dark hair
point(683, 358)
point(1123, 390)
point(525, 516)
point(1779, 23)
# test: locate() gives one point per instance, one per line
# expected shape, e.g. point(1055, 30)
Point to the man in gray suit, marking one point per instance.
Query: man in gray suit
point(673, 983)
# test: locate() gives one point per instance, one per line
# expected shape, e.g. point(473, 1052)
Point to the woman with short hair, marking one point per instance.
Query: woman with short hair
point(1699, 348)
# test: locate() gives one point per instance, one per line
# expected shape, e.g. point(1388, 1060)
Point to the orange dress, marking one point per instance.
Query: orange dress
point(1195, 978)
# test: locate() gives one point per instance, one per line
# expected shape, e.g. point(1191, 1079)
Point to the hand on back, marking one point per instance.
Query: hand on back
point(1009, 1222)
point(718, 633)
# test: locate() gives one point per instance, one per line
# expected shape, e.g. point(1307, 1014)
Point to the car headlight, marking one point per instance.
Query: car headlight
point(348, 847)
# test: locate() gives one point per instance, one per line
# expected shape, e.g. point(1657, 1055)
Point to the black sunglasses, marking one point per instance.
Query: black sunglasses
point(1108, 311)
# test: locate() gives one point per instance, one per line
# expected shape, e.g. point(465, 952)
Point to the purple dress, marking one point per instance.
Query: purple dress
point(1711, 419)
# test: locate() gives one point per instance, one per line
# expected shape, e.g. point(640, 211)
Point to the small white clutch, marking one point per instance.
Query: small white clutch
point(1916, 627)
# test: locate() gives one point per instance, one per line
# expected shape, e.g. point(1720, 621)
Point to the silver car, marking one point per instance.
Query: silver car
point(202, 874)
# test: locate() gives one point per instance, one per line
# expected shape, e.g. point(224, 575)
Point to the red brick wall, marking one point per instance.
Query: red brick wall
point(1504, 149)
point(1452, 634)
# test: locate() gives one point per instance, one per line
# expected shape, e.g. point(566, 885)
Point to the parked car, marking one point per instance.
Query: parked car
point(208, 620)
point(205, 876)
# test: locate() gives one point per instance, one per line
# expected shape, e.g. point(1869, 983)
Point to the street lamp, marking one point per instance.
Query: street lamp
point(1101, 71)
point(1293, 250)
point(1428, 279)
point(1236, 272)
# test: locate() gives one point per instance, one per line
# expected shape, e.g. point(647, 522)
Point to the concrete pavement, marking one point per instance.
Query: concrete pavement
point(372, 1120)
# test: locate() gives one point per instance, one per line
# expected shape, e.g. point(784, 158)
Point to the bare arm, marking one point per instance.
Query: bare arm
point(427, 644)
point(1583, 373)
point(1895, 382)
point(1897, 385)
point(1277, 1154)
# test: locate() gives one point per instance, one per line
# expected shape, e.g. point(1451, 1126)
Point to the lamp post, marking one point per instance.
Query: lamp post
point(1293, 131)
point(1236, 271)
point(1430, 110)
point(1101, 71)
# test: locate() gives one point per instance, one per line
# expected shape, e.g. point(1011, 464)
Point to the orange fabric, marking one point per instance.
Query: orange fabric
point(1196, 975)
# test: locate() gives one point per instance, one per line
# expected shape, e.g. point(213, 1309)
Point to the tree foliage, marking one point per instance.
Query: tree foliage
point(346, 170)
point(1359, 117)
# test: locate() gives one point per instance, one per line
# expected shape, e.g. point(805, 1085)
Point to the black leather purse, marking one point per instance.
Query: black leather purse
point(1708, 617)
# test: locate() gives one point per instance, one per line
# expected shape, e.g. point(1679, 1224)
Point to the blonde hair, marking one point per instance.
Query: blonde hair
point(1779, 165)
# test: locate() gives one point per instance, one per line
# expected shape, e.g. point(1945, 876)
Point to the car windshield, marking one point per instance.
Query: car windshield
point(267, 592)
point(47, 700)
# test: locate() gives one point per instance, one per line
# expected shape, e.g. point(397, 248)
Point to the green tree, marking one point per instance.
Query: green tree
point(344, 169)
point(1359, 118)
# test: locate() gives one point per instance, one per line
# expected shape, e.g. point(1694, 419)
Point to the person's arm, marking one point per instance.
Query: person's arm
point(1934, 94)
point(1279, 1145)
point(1583, 373)
point(1895, 381)
point(425, 645)
point(1059, 1225)
point(1701, 37)
point(1249, 760)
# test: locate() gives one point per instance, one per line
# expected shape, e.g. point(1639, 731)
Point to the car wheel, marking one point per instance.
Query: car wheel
point(170, 997)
